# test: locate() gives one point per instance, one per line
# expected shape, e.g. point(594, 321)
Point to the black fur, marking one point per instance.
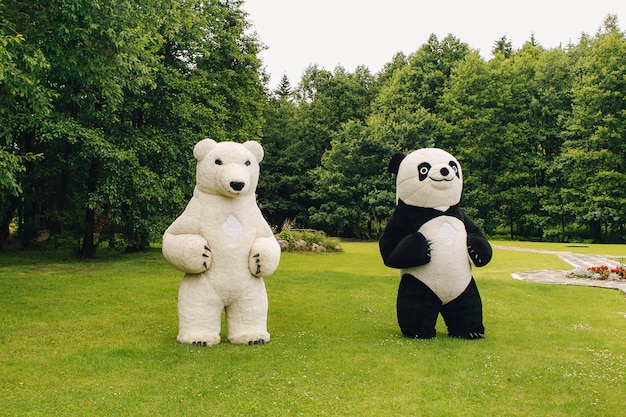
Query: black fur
point(402, 246)
point(394, 164)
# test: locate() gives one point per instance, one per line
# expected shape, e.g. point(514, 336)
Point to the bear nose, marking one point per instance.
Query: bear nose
point(444, 171)
point(237, 186)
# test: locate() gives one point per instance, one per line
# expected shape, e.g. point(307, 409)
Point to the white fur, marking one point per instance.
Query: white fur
point(436, 191)
point(225, 247)
point(449, 272)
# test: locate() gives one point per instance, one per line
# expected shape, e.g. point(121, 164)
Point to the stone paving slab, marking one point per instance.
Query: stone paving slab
point(559, 277)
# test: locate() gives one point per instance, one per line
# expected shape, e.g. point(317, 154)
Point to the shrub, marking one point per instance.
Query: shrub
point(308, 240)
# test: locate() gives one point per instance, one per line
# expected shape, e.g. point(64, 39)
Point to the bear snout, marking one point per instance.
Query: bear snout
point(237, 185)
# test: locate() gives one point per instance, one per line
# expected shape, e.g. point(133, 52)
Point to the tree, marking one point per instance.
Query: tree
point(324, 101)
point(280, 186)
point(135, 85)
point(353, 193)
point(503, 46)
point(98, 52)
point(24, 100)
point(595, 150)
point(283, 91)
point(422, 82)
point(488, 110)
point(351, 186)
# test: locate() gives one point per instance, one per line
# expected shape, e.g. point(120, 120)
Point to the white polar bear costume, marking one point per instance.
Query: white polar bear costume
point(225, 247)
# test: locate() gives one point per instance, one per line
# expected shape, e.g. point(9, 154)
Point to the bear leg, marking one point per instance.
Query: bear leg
point(464, 314)
point(199, 312)
point(246, 318)
point(417, 308)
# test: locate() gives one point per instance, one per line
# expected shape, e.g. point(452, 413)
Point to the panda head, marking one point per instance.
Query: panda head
point(428, 177)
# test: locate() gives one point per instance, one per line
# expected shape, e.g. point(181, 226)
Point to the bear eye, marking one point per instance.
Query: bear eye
point(422, 170)
point(218, 162)
point(247, 163)
point(455, 168)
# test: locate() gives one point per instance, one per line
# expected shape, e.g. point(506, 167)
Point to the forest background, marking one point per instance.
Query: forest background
point(103, 100)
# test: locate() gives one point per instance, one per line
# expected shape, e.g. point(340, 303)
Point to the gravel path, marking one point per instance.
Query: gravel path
point(577, 261)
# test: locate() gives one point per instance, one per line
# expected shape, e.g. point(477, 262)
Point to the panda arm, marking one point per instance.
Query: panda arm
point(400, 248)
point(478, 246)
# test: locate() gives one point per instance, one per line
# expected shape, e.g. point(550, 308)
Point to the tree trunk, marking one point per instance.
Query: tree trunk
point(88, 248)
point(595, 230)
point(511, 224)
point(6, 216)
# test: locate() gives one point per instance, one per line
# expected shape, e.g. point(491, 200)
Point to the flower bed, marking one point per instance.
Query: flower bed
point(602, 272)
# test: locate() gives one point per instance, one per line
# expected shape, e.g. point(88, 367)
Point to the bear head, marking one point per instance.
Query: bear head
point(229, 169)
point(428, 177)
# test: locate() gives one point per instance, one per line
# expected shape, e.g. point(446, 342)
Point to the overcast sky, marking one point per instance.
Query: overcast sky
point(349, 33)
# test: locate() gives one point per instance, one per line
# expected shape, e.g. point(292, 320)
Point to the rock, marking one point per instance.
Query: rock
point(317, 248)
point(284, 245)
point(300, 245)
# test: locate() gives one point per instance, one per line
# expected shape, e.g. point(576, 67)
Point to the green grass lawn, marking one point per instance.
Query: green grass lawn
point(98, 338)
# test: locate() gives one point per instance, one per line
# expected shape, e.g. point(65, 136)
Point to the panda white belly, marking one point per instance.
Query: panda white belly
point(449, 271)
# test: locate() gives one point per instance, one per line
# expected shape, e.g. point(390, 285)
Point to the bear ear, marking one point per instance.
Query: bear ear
point(255, 148)
point(202, 148)
point(394, 164)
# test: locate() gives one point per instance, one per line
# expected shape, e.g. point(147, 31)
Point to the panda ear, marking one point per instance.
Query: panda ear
point(202, 148)
point(255, 148)
point(394, 164)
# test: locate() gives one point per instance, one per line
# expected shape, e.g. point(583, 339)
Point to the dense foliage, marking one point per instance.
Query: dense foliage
point(541, 134)
point(102, 102)
point(113, 94)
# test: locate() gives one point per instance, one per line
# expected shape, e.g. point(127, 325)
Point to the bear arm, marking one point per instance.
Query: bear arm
point(478, 246)
point(189, 253)
point(264, 256)
point(410, 250)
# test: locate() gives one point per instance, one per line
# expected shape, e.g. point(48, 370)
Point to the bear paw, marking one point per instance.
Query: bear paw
point(199, 339)
point(264, 257)
point(188, 252)
point(250, 339)
point(202, 262)
point(206, 255)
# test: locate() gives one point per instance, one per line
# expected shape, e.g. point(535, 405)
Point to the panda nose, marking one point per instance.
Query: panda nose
point(444, 171)
point(237, 186)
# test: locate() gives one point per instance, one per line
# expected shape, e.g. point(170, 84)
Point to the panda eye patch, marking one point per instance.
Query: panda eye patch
point(422, 170)
point(455, 168)
point(218, 162)
point(247, 163)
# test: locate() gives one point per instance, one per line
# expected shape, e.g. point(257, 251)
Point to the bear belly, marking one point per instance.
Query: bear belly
point(230, 237)
point(449, 272)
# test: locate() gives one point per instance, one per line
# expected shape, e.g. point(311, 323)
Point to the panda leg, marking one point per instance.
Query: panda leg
point(417, 308)
point(464, 314)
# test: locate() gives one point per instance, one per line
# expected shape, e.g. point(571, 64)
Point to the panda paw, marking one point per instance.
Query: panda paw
point(479, 251)
point(469, 336)
point(474, 256)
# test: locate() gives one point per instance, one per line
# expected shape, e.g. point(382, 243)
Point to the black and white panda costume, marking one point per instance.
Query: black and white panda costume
point(433, 243)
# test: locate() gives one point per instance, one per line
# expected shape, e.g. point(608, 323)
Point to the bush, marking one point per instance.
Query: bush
point(308, 240)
